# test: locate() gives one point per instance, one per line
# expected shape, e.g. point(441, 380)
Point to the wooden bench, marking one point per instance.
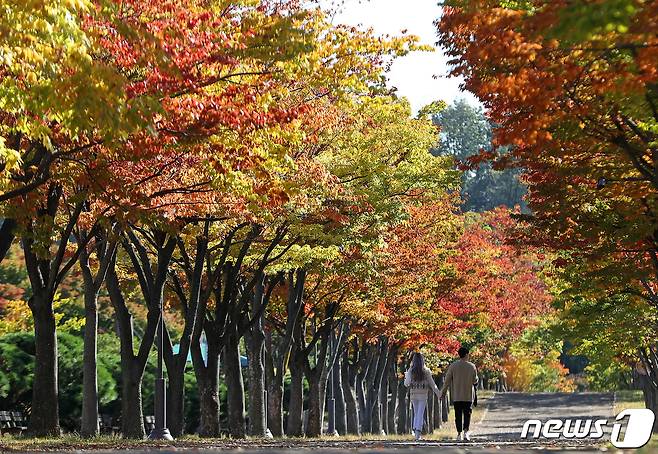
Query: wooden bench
point(19, 420)
point(12, 422)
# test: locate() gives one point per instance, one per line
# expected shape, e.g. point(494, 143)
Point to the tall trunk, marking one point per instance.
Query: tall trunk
point(383, 402)
point(176, 402)
point(316, 398)
point(234, 385)
point(392, 378)
point(374, 376)
point(132, 417)
point(279, 357)
point(207, 377)
point(132, 365)
point(403, 420)
point(89, 425)
point(364, 419)
point(650, 393)
point(296, 403)
point(255, 337)
point(438, 406)
point(256, 354)
point(376, 414)
point(45, 275)
point(436, 422)
point(351, 406)
point(339, 397)
point(44, 420)
point(649, 358)
point(275, 407)
point(193, 308)
point(92, 285)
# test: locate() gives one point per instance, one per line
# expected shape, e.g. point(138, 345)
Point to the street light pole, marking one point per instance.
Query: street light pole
point(160, 431)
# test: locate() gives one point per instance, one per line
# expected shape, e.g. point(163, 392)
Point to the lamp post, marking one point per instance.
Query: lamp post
point(160, 431)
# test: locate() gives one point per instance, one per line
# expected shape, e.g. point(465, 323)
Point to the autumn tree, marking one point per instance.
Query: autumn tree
point(572, 86)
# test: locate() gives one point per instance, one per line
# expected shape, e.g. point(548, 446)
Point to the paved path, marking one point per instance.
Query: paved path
point(507, 412)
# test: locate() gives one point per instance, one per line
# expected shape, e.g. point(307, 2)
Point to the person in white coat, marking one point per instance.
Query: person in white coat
point(419, 380)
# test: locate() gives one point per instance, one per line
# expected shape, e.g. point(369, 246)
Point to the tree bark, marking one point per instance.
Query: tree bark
point(132, 417)
point(403, 406)
point(255, 341)
point(316, 399)
point(89, 424)
point(133, 365)
point(176, 403)
point(373, 382)
point(207, 376)
point(348, 375)
point(256, 352)
point(392, 378)
point(234, 385)
point(44, 420)
point(193, 308)
point(92, 285)
point(436, 422)
point(296, 402)
point(339, 397)
point(279, 357)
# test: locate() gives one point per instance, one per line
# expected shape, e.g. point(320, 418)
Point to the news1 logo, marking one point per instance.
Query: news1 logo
point(638, 428)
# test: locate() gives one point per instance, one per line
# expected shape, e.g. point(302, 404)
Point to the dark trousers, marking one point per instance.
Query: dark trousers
point(462, 411)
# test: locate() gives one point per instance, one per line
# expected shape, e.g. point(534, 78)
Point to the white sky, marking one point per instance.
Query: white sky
point(413, 74)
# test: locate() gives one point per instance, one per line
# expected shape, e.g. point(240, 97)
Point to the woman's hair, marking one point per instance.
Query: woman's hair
point(417, 367)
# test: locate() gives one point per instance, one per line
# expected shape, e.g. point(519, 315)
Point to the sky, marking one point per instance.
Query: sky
point(411, 75)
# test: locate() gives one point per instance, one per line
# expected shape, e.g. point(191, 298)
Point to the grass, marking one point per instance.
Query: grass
point(634, 399)
point(628, 399)
point(73, 442)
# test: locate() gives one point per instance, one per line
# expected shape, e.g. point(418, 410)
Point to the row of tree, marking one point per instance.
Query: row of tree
point(573, 86)
point(240, 167)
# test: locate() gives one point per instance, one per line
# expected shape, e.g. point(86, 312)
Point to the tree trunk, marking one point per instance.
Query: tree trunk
point(175, 402)
point(207, 377)
point(235, 386)
point(374, 376)
point(392, 378)
point(403, 420)
point(89, 426)
point(256, 353)
point(44, 420)
point(275, 409)
point(364, 420)
point(351, 406)
point(316, 397)
point(436, 423)
point(132, 366)
point(383, 402)
point(132, 418)
point(295, 283)
point(339, 397)
point(296, 403)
